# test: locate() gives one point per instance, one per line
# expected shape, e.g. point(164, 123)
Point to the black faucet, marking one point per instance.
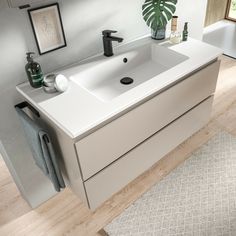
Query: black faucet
point(107, 42)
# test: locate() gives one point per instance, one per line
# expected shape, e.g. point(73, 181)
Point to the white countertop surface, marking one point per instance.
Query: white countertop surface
point(77, 111)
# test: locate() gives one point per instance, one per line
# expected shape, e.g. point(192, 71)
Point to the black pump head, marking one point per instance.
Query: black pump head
point(30, 56)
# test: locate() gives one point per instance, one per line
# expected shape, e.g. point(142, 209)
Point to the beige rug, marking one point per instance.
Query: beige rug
point(198, 198)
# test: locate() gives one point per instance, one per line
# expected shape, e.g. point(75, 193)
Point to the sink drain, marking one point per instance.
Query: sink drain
point(127, 80)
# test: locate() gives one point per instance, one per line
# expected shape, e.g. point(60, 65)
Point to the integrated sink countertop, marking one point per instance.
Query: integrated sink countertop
point(102, 78)
point(96, 96)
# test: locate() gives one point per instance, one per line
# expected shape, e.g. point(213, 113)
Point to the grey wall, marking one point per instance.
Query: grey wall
point(83, 22)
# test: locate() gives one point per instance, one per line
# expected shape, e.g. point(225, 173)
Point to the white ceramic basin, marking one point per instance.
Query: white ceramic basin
point(102, 78)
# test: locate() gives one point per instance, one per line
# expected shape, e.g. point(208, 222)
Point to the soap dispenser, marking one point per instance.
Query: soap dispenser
point(34, 71)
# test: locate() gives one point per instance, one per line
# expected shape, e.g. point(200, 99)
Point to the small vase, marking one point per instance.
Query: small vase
point(159, 33)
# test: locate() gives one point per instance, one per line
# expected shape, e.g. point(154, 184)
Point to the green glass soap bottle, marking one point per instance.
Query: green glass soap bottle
point(34, 71)
point(185, 32)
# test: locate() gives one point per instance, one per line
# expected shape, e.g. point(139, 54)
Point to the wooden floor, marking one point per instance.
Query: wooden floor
point(66, 215)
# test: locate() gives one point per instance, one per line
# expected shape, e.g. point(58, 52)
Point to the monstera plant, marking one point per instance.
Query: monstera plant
point(156, 14)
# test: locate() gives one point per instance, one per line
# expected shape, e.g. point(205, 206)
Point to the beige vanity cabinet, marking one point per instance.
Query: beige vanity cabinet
point(98, 165)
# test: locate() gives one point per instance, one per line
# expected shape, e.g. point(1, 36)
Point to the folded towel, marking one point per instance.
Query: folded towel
point(42, 150)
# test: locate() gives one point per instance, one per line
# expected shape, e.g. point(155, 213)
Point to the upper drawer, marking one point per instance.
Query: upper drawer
point(105, 145)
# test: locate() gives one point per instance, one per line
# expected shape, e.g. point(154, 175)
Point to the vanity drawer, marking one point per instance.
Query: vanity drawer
point(116, 176)
point(107, 144)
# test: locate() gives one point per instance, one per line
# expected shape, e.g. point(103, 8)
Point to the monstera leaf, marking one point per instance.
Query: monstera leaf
point(157, 13)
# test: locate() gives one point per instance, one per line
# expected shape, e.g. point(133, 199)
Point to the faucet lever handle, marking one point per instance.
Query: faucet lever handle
point(108, 33)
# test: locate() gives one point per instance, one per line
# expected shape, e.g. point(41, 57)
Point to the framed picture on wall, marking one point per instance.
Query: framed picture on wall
point(47, 27)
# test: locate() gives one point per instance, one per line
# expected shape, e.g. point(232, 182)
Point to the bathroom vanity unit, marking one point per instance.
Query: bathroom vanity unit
point(108, 133)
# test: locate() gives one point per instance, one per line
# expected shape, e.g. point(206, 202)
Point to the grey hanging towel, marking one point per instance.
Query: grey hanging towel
point(42, 150)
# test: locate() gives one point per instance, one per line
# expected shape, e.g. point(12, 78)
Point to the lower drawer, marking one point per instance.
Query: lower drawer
point(116, 176)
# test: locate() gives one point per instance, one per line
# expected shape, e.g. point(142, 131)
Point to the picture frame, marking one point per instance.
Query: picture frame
point(47, 27)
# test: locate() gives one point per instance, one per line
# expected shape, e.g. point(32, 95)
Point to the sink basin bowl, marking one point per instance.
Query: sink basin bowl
point(108, 78)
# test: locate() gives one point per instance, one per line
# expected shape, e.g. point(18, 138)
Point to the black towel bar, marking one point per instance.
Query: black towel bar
point(26, 104)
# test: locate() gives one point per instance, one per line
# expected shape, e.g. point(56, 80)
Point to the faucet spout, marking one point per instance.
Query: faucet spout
point(113, 38)
point(107, 42)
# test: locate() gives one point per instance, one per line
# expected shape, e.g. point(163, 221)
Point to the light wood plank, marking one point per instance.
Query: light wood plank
point(12, 204)
point(227, 120)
